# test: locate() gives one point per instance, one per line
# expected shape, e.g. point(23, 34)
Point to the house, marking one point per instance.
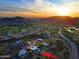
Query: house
point(45, 43)
point(22, 52)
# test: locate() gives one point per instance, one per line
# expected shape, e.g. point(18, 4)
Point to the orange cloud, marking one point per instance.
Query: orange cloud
point(29, 14)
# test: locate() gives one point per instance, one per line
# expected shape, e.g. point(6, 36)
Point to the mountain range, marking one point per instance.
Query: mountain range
point(54, 19)
point(14, 20)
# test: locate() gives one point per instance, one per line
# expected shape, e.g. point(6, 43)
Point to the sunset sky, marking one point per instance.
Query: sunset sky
point(39, 8)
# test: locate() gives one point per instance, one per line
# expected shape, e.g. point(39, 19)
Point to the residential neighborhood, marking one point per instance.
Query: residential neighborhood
point(33, 42)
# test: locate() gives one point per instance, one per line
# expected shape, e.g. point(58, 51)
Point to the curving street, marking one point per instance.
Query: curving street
point(74, 50)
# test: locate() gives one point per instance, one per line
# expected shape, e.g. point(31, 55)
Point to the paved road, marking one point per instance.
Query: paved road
point(74, 50)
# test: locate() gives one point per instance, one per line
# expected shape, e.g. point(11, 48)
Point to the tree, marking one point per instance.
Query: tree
point(77, 24)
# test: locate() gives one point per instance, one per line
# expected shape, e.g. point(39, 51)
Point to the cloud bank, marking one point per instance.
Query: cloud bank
point(37, 6)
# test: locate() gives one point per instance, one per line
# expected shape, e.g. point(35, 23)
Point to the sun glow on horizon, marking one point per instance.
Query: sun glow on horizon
point(63, 11)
